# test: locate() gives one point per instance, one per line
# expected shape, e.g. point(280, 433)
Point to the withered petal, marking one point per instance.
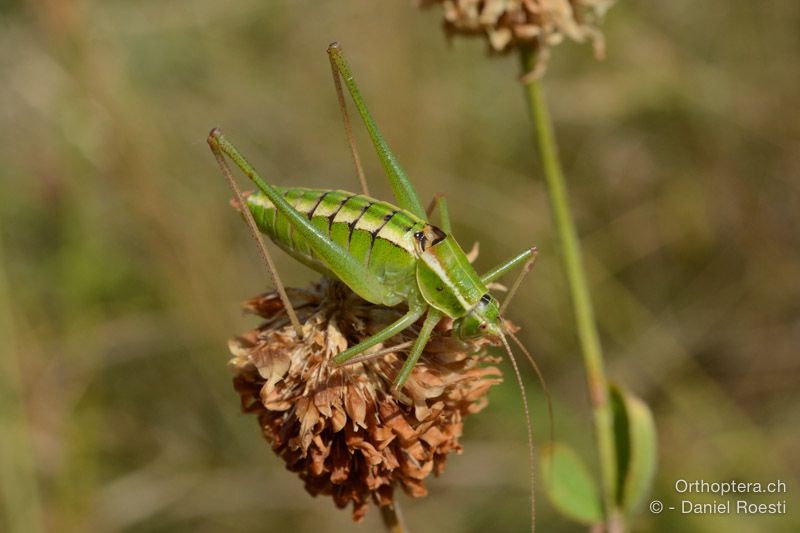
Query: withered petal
point(340, 428)
point(356, 406)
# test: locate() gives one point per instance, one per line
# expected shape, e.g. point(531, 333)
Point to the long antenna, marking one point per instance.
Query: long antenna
point(543, 383)
point(531, 457)
point(337, 82)
point(251, 224)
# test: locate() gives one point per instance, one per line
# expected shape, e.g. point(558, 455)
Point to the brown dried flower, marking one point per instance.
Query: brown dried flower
point(340, 428)
point(509, 24)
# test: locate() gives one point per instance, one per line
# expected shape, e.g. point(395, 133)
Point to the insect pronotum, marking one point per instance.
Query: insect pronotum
point(387, 254)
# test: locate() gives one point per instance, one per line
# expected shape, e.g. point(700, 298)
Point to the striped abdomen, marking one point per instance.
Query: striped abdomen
point(378, 234)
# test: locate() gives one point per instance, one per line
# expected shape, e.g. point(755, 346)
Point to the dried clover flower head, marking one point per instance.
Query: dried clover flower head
point(509, 24)
point(340, 428)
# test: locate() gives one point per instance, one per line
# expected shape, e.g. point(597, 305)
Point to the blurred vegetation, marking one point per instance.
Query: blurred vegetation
point(122, 264)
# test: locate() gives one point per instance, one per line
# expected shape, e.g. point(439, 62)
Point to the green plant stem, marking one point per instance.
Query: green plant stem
point(579, 290)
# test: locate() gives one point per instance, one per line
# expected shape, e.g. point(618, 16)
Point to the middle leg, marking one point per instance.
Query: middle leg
point(433, 318)
point(389, 331)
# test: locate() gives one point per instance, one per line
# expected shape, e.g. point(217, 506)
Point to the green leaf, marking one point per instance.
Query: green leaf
point(637, 452)
point(569, 485)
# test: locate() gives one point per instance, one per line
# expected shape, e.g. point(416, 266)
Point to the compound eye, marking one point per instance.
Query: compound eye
point(482, 326)
point(486, 299)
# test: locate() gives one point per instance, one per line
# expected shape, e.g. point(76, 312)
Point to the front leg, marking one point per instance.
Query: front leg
point(504, 268)
point(433, 318)
point(528, 257)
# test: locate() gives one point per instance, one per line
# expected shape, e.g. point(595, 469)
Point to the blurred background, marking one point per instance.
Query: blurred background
point(122, 265)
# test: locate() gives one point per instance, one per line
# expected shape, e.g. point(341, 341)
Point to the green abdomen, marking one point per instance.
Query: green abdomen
point(378, 234)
